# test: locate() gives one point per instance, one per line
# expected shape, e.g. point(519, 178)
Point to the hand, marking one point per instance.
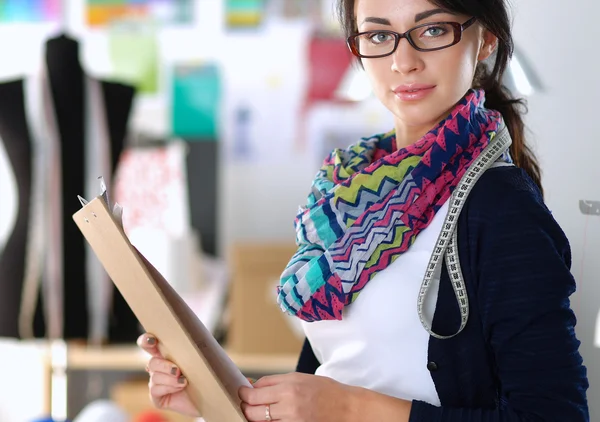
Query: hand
point(167, 385)
point(298, 398)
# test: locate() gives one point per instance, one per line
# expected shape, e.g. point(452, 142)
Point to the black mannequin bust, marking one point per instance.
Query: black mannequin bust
point(67, 81)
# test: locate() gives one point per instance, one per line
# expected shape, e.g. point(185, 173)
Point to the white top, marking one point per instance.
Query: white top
point(380, 343)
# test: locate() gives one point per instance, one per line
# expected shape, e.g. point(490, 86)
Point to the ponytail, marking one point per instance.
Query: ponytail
point(499, 98)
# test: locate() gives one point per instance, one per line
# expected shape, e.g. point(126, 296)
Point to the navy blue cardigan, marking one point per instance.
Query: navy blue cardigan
point(517, 358)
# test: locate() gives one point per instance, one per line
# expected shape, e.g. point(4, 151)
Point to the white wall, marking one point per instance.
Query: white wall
point(561, 40)
point(25, 372)
point(266, 67)
point(261, 195)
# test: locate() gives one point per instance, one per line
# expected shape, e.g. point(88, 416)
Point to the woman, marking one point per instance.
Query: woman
point(445, 211)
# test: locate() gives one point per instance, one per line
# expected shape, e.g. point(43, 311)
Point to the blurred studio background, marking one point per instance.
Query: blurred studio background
point(208, 120)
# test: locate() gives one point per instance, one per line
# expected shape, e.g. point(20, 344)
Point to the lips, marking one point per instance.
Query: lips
point(411, 88)
point(413, 92)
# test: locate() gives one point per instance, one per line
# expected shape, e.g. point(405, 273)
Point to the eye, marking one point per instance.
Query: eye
point(380, 37)
point(434, 31)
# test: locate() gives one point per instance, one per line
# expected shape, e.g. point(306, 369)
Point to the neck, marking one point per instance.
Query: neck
point(62, 54)
point(408, 135)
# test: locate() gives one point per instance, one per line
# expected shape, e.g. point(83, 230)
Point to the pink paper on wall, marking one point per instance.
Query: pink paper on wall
point(51, 8)
point(151, 185)
point(328, 60)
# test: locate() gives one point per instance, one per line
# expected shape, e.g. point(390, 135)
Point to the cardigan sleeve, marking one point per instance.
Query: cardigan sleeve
point(524, 284)
point(307, 362)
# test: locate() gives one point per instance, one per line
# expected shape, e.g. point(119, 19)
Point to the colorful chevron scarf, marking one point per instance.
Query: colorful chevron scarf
point(370, 202)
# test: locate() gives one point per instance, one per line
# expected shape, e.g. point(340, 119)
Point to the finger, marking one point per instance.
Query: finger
point(259, 413)
point(164, 366)
point(149, 343)
point(158, 393)
point(274, 380)
point(158, 378)
point(257, 396)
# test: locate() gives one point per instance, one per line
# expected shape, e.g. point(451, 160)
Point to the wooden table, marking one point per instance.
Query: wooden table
point(131, 358)
point(65, 357)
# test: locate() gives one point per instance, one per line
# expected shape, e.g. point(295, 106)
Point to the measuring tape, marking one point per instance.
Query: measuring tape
point(446, 245)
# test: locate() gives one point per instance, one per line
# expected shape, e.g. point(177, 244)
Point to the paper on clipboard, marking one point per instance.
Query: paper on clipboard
point(213, 378)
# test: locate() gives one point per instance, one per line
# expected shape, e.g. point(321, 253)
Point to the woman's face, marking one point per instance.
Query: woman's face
point(444, 75)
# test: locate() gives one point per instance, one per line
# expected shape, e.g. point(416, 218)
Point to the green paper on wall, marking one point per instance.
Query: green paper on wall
point(196, 101)
point(244, 13)
point(134, 56)
point(106, 12)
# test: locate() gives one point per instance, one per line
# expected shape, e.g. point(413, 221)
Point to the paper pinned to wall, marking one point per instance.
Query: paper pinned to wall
point(321, 14)
point(328, 62)
point(242, 138)
point(104, 12)
point(134, 56)
point(29, 10)
point(244, 13)
point(151, 184)
point(265, 86)
point(196, 94)
point(294, 9)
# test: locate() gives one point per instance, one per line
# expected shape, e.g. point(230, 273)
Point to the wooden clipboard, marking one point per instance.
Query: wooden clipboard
point(213, 378)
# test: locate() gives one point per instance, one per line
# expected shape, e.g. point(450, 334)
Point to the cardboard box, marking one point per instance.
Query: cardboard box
point(258, 326)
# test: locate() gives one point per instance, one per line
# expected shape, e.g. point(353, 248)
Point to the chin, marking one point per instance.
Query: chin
point(417, 116)
point(419, 113)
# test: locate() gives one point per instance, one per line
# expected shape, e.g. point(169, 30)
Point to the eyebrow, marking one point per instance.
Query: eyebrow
point(418, 17)
point(428, 13)
point(381, 21)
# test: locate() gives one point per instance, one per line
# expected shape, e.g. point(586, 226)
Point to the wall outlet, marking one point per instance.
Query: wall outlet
point(589, 207)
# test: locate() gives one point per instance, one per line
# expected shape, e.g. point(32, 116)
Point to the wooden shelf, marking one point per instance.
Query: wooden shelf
point(131, 358)
point(265, 364)
point(109, 358)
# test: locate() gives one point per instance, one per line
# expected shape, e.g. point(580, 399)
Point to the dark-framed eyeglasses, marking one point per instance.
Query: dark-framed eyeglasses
point(427, 37)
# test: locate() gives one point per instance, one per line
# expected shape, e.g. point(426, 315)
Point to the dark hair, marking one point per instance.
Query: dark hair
point(494, 16)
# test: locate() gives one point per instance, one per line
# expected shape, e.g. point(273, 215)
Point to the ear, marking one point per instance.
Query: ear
point(488, 46)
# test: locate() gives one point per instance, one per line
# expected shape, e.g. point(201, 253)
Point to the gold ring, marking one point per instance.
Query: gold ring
point(268, 413)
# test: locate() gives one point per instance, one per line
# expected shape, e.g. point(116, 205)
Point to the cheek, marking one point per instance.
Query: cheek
point(380, 76)
point(457, 69)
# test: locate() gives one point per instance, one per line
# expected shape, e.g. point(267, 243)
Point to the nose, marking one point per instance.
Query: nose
point(406, 59)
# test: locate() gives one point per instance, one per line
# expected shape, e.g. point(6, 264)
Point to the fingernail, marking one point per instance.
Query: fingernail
point(174, 370)
point(181, 380)
point(151, 341)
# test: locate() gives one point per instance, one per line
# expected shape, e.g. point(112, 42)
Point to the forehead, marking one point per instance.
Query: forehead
point(390, 8)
